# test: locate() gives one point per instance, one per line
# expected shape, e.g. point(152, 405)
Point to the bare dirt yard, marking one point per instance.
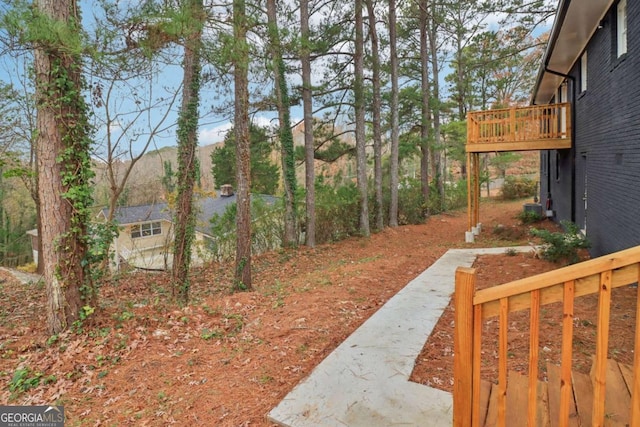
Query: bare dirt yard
point(228, 359)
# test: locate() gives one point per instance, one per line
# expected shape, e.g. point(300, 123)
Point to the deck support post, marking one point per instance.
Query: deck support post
point(469, 195)
point(476, 190)
point(463, 347)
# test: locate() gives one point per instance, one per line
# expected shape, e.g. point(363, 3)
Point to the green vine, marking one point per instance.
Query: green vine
point(188, 170)
point(62, 95)
point(286, 135)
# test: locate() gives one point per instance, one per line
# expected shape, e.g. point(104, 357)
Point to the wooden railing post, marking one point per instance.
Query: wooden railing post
point(463, 347)
point(512, 124)
point(635, 391)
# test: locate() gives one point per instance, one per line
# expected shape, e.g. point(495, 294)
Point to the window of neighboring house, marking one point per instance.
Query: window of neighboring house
point(583, 72)
point(145, 230)
point(621, 28)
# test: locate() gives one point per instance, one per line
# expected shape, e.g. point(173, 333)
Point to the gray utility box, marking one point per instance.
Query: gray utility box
point(533, 207)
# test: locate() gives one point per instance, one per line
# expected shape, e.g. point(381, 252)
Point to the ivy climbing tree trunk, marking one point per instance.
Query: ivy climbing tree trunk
point(63, 163)
point(187, 161)
point(307, 107)
point(286, 135)
point(243, 147)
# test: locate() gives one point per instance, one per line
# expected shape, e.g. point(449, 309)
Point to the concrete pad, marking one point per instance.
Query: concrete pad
point(365, 380)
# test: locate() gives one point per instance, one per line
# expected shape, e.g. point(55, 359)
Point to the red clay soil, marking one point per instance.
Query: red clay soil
point(228, 359)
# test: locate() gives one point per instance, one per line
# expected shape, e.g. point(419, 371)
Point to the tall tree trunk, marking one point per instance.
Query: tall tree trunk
point(425, 129)
point(243, 147)
point(187, 161)
point(436, 152)
point(62, 165)
point(376, 107)
point(460, 79)
point(394, 161)
point(358, 91)
point(307, 106)
point(4, 227)
point(286, 135)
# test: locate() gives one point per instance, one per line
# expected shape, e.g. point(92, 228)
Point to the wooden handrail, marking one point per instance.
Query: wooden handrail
point(599, 276)
point(519, 124)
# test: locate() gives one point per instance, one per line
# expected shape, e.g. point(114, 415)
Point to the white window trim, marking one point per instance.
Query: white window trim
point(146, 229)
point(583, 72)
point(621, 28)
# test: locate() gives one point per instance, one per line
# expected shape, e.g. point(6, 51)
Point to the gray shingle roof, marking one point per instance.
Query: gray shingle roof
point(206, 207)
point(134, 214)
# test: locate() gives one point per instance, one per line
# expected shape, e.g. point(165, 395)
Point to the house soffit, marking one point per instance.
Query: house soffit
point(570, 34)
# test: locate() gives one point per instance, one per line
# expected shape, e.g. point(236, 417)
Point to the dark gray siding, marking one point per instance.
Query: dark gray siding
point(607, 143)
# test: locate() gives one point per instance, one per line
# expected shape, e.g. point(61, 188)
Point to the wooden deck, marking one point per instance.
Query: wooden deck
point(617, 402)
point(537, 127)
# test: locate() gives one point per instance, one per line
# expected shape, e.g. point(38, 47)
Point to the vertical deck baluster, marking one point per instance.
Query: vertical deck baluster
point(534, 347)
point(568, 120)
point(567, 353)
point(539, 123)
point(502, 361)
point(602, 344)
point(512, 125)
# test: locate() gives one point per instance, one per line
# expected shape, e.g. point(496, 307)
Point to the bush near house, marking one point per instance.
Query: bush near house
point(562, 246)
point(518, 187)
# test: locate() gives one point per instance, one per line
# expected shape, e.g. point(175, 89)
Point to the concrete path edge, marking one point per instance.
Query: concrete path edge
point(365, 380)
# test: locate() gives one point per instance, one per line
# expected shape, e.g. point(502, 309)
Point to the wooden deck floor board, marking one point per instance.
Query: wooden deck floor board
point(617, 403)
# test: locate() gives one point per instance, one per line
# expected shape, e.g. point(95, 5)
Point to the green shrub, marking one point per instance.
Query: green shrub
point(266, 230)
point(562, 246)
point(411, 206)
point(518, 187)
point(337, 211)
point(510, 252)
point(529, 217)
point(455, 196)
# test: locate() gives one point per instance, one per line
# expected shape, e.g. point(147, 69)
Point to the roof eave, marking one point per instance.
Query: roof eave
point(574, 25)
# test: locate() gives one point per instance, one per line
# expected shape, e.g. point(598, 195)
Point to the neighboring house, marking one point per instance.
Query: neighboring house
point(145, 236)
point(593, 62)
point(146, 232)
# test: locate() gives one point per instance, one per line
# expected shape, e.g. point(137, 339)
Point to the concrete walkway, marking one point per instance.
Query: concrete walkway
point(26, 278)
point(365, 381)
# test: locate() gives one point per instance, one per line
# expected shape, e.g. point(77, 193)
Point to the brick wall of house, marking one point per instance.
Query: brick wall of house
point(606, 154)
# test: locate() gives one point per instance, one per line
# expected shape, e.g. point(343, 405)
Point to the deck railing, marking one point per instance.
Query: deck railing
point(521, 124)
point(597, 276)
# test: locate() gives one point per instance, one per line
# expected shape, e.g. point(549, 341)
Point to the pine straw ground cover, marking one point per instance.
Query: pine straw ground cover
point(226, 359)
